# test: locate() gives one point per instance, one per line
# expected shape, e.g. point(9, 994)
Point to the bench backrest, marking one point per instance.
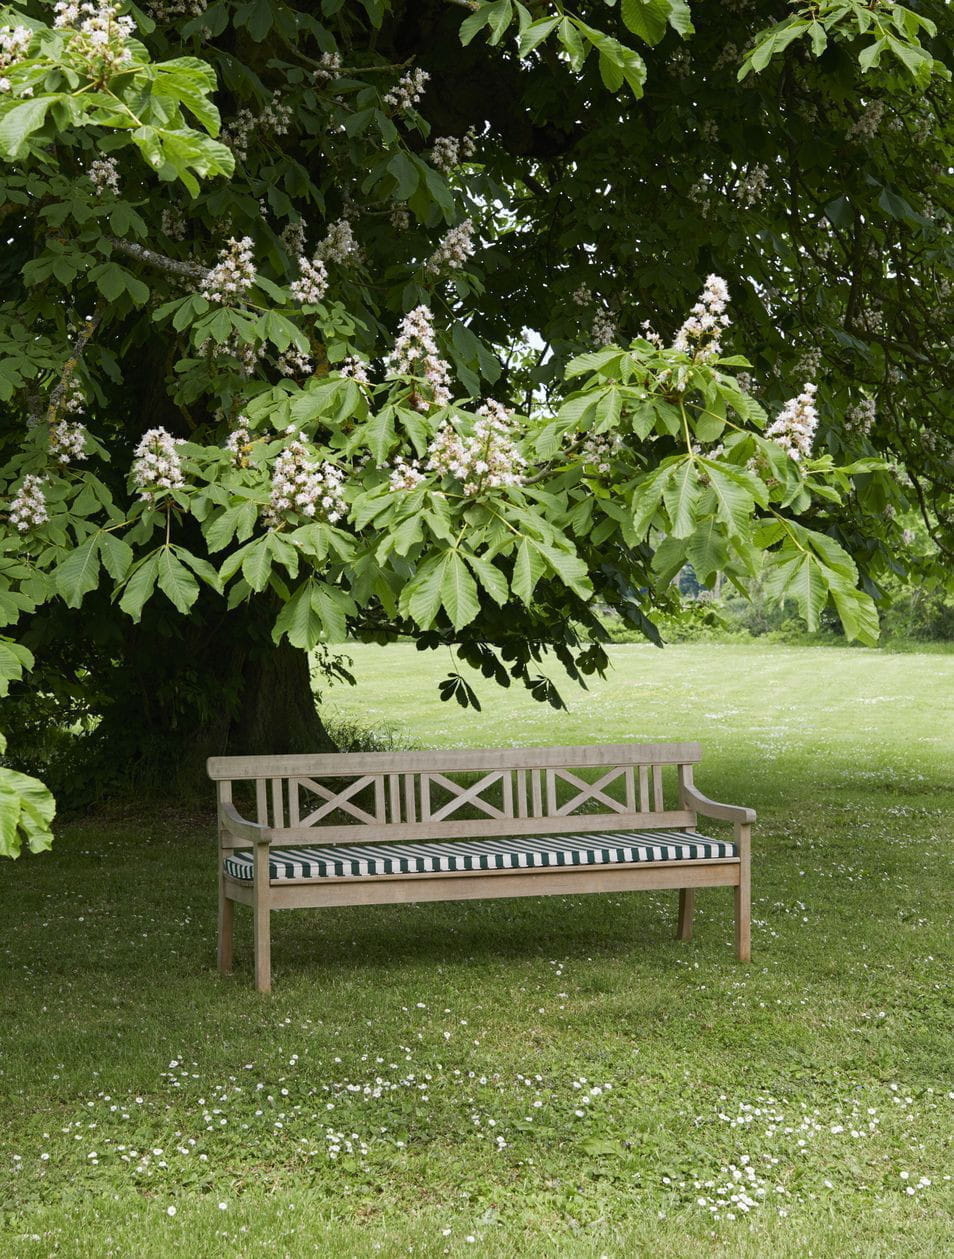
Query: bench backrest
point(372, 796)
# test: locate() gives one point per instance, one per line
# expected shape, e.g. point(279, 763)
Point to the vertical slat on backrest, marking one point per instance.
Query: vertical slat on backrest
point(410, 803)
point(629, 780)
point(425, 797)
point(380, 807)
point(521, 793)
point(551, 792)
point(278, 803)
point(644, 788)
point(536, 793)
point(394, 788)
point(657, 788)
point(261, 801)
point(508, 793)
point(294, 802)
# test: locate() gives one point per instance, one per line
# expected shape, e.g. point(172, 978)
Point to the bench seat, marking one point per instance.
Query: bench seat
point(354, 861)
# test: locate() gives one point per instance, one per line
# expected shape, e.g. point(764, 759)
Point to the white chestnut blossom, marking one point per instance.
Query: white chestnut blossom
point(582, 296)
point(751, 188)
point(75, 400)
point(28, 506)
point(104, 175)
point(449, 151)
point(487, 459)
point(415, 354)
point(865, 126)
point(603, 329)
point(809, 363)
point(399, 218)
point(455, 248)
point(14, 42)
point(173, 223)
point(99, 34)
point(701, 334)
point(405, 475)
point(861, 417)
point(407, 91)
point(598, 450)
point(339, 243)
point(328, 69)
point(238, 439)
point(168, 10)
point(293, 237)
point(794, 428)
point(277, 116)
point(157, 466)
point(312, 282)
point(68, 441)
point(234, 273)
point(649, 333)
point(356, 369)
point(293, 362)
point(303, 486)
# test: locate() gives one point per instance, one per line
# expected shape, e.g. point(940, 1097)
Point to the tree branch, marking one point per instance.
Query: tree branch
point(175, 266)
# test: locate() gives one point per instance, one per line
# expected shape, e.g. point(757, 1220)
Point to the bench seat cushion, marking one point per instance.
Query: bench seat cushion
point(358, 861)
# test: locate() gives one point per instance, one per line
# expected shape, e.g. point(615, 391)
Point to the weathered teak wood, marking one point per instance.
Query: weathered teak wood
point(384, 797)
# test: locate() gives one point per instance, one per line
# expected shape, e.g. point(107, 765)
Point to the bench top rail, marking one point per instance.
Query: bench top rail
point(330, 764)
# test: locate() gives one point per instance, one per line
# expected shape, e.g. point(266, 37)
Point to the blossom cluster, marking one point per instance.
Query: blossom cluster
point(487, 459)
point(356, 369)
point(861, 417)
point(752, 186)
point(598, 449)
point(415, 354)
point(238, 441)
point(293, 237)
point(405, 474)
point(865, 126)
point(68, 441)
point(294, 362)
point(794, 428)
point(99, 34)
point(449, 151)
point(312, 282)
point(300, 484)
point(603, 330)
point(173, 223)
point(455, 248)
point(104, 175)
point(339, 243)
point(234, 273)
point(157, 465)
point(582, 296)
point(28, 506)
point(168, 10)
point(14, 42)
point(329, 68)
point(275, 118)
point(407, 91)
point(701, 334)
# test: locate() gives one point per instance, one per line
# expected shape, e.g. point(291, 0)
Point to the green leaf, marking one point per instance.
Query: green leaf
point(476, 22)
point(681, 496)
point(257, 563)
point(333, 606)
point(528, 568)
point(422, 596)
point(299, 620)
point(645, 18)
point(140, 586)
point(458, 591)
point(535, 34)
point(26, 812)
point(78, 573)
point(490, 577)
point(238, 521)
point(175, 581)
point(19, 123)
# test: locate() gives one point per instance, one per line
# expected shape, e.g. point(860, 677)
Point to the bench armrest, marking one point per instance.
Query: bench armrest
point(240, 827)
point(695, 800)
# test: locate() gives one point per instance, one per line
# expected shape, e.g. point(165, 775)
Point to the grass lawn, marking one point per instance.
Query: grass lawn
point(527, 1078)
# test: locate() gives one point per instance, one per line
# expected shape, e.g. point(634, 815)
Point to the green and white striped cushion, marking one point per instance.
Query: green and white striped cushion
point(358, 861)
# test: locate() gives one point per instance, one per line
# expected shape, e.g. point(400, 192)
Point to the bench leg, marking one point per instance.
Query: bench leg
point(226, 922)
point(687, 902)
point(263, 948)
point(743, 924)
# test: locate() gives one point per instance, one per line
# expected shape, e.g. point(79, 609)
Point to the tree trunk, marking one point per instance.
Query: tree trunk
point(181, 690)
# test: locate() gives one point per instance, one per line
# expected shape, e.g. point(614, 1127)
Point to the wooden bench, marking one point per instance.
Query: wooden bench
point(382, 828)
